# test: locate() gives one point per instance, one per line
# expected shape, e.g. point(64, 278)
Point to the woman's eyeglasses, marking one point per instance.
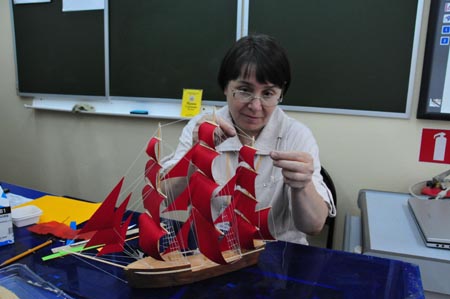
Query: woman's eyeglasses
point(266, 100)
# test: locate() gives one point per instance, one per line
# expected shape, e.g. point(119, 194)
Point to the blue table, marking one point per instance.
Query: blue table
point(284, 271)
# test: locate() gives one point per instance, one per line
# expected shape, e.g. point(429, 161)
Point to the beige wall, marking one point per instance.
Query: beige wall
point(85, 155)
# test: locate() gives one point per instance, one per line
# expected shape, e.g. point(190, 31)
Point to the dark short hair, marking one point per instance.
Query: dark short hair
point(259, 53)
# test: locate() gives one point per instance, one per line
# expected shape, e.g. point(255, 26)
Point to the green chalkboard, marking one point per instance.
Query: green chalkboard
point(157, 48)
point(347, 54)
point(59, 52)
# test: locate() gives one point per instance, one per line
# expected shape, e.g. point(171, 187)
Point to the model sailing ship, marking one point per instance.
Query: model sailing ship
point(231, 241)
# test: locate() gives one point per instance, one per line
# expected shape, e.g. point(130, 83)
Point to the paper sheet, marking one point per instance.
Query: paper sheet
point(64, 209)
point(79, 5)
point(191, 102)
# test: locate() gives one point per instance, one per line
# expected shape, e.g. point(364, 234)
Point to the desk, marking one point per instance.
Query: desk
point(284, 271)
point(389, 230)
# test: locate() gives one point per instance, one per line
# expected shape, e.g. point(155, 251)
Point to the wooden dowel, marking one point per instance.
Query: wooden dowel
point(25, 253)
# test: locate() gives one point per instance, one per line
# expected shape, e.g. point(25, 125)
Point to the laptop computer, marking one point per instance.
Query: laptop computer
point(433, 220)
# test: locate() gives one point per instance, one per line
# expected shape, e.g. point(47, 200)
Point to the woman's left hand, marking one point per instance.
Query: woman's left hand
point(297, 167)
point(308, 207)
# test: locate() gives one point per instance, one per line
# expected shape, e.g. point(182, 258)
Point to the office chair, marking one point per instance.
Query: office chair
point(330, 220)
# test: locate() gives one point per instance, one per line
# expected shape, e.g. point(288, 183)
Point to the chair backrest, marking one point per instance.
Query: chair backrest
point(330, 220)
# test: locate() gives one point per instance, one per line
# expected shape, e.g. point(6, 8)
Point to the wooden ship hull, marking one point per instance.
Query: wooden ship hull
point(151, 273)
point(231, 241)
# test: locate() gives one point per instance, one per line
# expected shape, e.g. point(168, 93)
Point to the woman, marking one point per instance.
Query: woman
point(254, 76)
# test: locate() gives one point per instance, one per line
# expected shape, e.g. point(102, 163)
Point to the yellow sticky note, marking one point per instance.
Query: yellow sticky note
point(191, 102)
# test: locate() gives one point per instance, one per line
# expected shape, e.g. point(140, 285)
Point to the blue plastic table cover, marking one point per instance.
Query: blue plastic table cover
point(284, 270)
point(23, 283)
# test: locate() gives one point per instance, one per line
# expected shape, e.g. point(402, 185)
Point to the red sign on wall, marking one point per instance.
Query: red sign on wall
point(435, 146)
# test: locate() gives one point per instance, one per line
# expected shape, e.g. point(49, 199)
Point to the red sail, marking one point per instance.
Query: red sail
point(120, 211)
point(149, 234)
point(206, 141)
point(182, 237)
point(206, 133)
point(246, 179)
point(248, 229)
point(201, 192)
point(243, 177)
point(152, 201)
point(150, 230)
point(228, 216)
point(152, 148)
point(152, 169)
point(181, 168)
point(247, 154)
point(246, 205)
point(246, 232)
point(203, 157)
point(113, 237)
point(208, 238)
point(103, 217)
point(261, 221)
point(182, 202)
point(228, 188)
point(249, 224)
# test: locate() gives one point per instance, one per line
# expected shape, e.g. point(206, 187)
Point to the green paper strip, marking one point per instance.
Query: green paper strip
point(69, 251)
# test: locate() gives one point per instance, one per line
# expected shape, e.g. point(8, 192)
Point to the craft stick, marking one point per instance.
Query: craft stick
point(25, 253)
point(68, 251)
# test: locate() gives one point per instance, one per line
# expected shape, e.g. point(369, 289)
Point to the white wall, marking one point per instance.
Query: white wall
point(85, 155)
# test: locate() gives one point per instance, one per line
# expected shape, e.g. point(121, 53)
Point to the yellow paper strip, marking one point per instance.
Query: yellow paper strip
point(63, 209)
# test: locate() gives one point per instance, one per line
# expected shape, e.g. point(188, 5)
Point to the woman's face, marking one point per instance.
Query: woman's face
point(251, 117)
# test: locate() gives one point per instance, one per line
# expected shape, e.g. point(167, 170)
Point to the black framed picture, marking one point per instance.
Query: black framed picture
point(434, 100)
